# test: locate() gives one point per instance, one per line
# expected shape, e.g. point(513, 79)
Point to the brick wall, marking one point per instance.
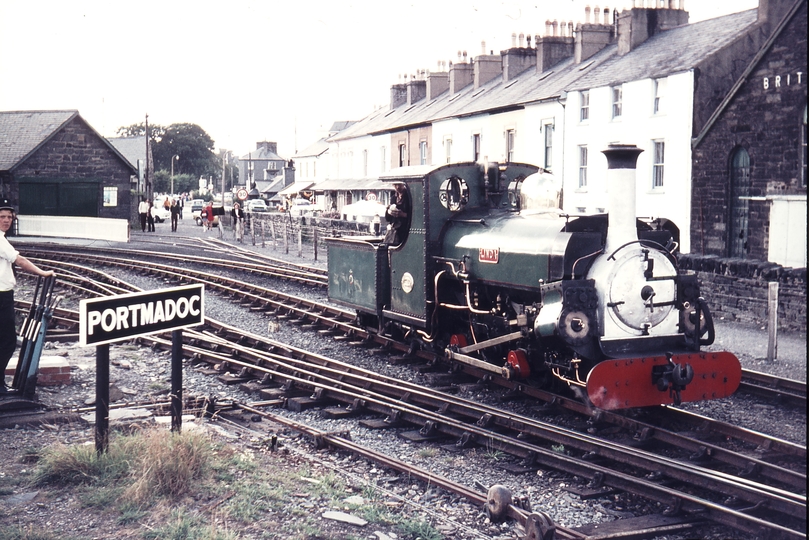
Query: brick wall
point(737, 290)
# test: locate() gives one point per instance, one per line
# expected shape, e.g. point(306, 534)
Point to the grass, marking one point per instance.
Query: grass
point(162, 485)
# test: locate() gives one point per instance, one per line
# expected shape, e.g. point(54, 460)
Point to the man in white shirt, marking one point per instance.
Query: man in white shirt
point(143, 209)
point(9, 256)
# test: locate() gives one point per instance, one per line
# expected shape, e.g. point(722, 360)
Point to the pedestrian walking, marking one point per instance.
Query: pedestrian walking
point(150, 217)
point(237, 214)
point(176, 212)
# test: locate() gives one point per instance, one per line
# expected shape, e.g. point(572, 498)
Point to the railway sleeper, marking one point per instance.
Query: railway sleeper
point(357, 406)
point(429, 432)
point(394, 419)
point(303, 403)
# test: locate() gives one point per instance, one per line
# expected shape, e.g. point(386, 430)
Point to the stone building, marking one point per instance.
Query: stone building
point(54, 163)
point(749, 160)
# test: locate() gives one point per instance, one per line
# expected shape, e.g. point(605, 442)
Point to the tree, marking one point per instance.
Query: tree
point(189, 141)
point(194, 146)
point(183, 183)
point(139, 130)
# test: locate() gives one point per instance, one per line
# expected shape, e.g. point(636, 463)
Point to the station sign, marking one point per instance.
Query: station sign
point(115, 318)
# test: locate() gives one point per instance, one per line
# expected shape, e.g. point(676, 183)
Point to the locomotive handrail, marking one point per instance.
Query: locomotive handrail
point(573, 268)
point(647, 242)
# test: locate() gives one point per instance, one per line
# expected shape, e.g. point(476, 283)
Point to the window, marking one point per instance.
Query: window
point(382, 159)
point(423, 152)
point(659, 93)
point(365, 163)
point(110, 196)
point(582, 166)
point(402, 155)
point(448, 149)
point(584, 113)
point(617, 101)
point(476, 147)
point(657, 164)
point(548, 131)
point(273, 166)
point(509, 145)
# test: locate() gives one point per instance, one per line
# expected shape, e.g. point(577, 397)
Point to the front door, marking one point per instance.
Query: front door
point(739, 204)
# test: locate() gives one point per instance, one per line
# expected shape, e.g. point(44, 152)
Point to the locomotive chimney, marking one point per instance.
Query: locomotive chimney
point(621, 164)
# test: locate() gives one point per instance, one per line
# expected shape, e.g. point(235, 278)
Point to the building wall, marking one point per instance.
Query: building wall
point(638, 125)
point(765, 117)
point(77, 152)
point(411, 139)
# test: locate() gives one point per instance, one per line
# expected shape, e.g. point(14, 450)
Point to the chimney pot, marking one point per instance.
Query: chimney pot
point(587, 13)
point(513, 41)
point(555, 25)
point(528, 41)
point(522, 39)
point(606, 15)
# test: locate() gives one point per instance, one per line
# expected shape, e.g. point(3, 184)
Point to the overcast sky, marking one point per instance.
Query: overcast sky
point(248, 70)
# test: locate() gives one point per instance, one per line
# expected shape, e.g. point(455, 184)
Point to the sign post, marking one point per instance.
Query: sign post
point(110, 319)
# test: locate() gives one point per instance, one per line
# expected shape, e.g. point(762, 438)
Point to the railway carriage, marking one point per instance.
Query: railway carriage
point(492, 273)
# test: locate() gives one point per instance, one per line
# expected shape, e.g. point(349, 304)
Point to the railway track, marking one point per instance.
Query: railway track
point(440, 417)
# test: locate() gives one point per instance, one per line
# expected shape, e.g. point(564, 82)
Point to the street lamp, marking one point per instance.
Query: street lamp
point(174, 158)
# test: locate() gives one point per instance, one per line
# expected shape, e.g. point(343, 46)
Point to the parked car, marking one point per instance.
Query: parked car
point(256, 205)
point(363, 211)
point(301, 207)
point(196, 213)
point(160, 212)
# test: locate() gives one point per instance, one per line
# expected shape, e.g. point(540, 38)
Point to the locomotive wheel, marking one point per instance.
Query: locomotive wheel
point(459, 340)
point(518, 362)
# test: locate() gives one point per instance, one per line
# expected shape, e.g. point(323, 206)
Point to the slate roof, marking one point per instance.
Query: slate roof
point(22, 132)
point(314, 149)
point(261, 154)
point(132, 148)
point(672, 51)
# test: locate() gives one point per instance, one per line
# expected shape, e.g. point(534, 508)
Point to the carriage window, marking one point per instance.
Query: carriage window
point(454, 193)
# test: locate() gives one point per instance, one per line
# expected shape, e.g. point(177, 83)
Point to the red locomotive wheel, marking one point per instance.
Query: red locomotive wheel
point(519, 363)
point(458, 340)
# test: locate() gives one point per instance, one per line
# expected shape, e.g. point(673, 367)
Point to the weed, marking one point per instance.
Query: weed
point(427, 452)
point(558, 448)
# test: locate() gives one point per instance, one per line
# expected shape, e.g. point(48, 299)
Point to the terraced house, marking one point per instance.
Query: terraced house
point(644, 76)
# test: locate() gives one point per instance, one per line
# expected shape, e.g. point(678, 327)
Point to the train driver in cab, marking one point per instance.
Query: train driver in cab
point(398, 215)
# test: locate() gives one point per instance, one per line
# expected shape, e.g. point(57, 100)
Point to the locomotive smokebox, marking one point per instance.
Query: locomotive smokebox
point(622, 161)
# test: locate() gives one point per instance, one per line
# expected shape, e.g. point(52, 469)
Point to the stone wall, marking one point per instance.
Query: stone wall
point(765, 118)
point(737, 290)
point(76, 152)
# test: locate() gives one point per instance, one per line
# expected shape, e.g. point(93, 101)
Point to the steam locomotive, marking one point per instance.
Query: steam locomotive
point(492, 273)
